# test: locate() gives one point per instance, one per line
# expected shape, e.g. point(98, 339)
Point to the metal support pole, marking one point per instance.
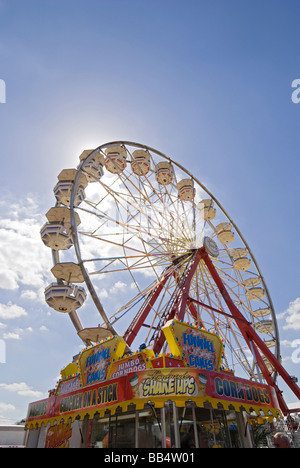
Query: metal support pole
point(253, 340)
point(181, 302)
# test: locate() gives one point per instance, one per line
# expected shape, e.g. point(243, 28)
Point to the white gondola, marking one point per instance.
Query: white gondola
point(270, 343)
point(94, 334)
point(68, 271)
point(62, 192)
point(55, 236)
point(65, 297)
point(268, 364)
point(224, 233)
point(264, 326)
point(238, 253)
point(62, 215)
point(255, 294)
point(164, 173)
point(93, 168)
point(206, 209)
point(115, 160)
point(261, 312)
point(63, 188)
point(242, 263)
point(186, 189)
point(85, 154)
point(252, 282)
point(140, 164)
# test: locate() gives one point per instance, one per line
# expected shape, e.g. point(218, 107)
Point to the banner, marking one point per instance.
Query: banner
point(156, 384)
point(108, 378)
point(233, 389)
point(166, 383)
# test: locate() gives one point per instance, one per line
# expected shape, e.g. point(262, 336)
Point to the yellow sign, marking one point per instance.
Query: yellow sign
point(168, 383)
point(199, 348)
point(69, 370)
point(95, 360)
point(133, 362)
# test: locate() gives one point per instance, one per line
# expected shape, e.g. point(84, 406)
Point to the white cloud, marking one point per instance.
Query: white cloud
point(17, 333)
point(286, 343)
point(11, 336)
point(292, 315)
point(103, 294)
point(6, 407)
point(11, 311)
point(21, 389)
point(29, 294)
point(118, 286)
point(24, 260)
point(8, 281)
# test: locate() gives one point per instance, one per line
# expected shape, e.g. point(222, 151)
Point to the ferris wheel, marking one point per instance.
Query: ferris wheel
point(142, 231)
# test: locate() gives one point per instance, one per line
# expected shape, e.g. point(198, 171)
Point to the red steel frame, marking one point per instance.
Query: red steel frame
point(254, 342)
point(182, 298)
point(141, 316)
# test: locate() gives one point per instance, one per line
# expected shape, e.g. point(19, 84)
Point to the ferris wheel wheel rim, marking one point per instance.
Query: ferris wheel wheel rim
point(186, 171)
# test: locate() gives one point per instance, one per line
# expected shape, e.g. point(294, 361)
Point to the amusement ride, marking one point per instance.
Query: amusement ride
point(130, 216)
point(130, 211)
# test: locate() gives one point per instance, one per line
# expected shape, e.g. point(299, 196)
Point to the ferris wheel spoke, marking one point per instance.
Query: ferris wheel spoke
point(164, 216)
point(136, 230)
point(223, 324)
point(182, 207)
point(166, 204)
point(137, 233)
point(117, 244)
point(122, 269)
point(232, 282)
point(214, 300)
point(231, 279)
point(153, 327)
point(237, 352)
point(115, 317)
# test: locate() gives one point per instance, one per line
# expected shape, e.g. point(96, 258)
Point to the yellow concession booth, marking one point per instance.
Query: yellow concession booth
point(109, 398)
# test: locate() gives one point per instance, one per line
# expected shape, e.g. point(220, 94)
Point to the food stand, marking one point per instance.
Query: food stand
point(109, 398)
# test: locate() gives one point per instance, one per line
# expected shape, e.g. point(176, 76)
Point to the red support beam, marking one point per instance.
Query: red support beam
point(251, 337)
point(181, 302)
point(193, 310)
point(216, 310)
point(142, 314)
point(255, 343)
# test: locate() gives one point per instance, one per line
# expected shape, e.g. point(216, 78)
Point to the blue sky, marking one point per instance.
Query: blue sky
point(208, 83)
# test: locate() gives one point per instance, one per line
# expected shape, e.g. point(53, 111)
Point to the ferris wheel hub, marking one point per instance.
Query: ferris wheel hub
point(210, 246)
point(180, 258)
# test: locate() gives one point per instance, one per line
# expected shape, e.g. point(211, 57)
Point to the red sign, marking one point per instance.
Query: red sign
point(155, 383)
point(233, 389)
